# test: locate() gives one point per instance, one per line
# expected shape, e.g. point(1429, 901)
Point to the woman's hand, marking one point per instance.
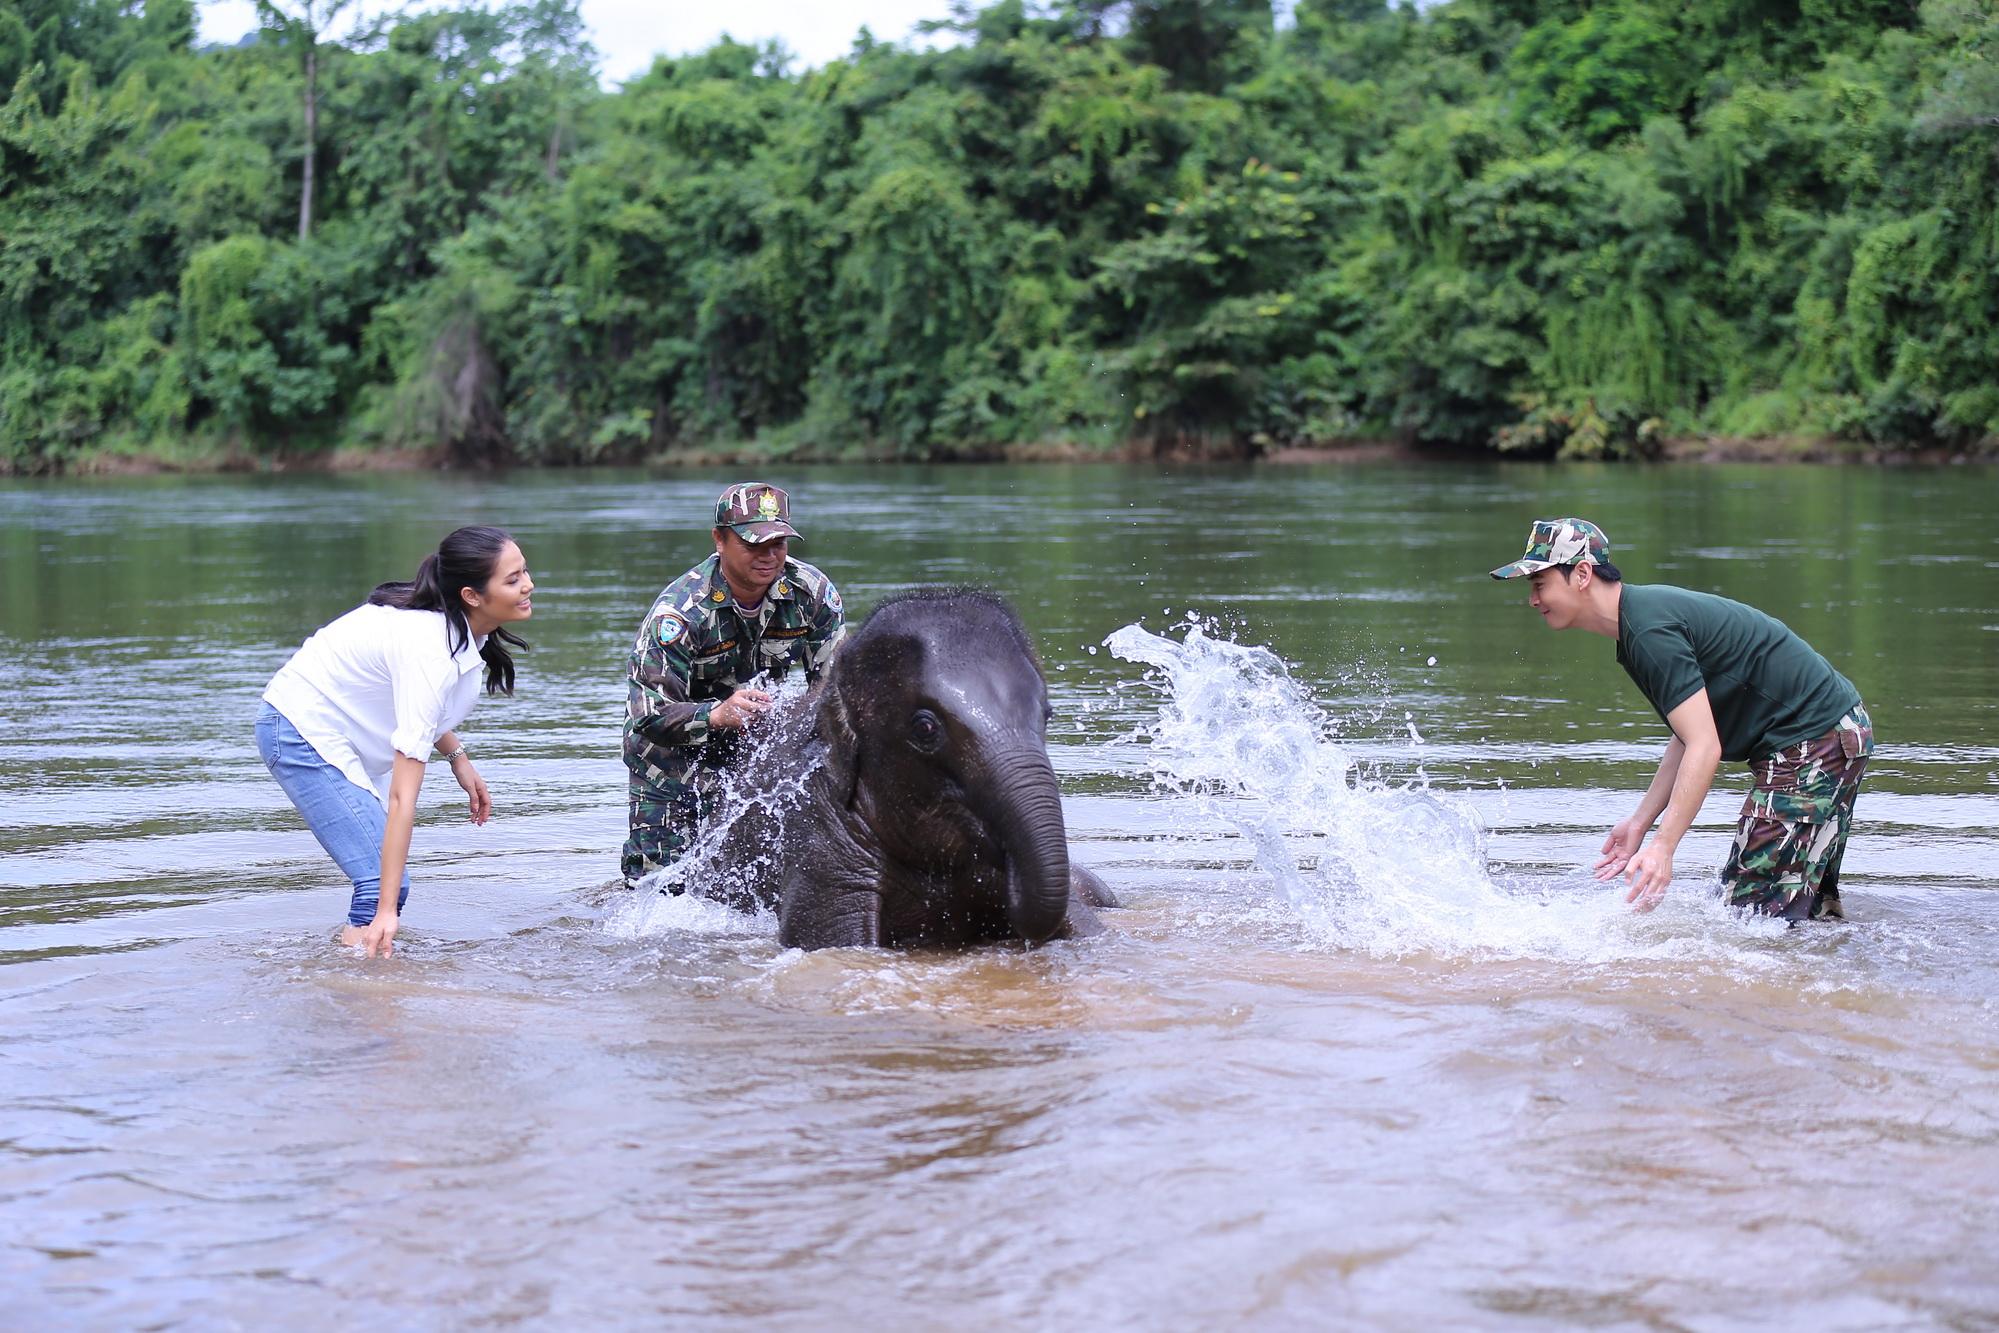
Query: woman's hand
point(481, 804)
point(379, 935)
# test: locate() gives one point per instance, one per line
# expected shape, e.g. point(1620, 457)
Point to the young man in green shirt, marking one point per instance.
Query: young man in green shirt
point(1733, 684)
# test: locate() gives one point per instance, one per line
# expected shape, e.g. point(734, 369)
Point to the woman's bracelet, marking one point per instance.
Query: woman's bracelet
point(454, 755)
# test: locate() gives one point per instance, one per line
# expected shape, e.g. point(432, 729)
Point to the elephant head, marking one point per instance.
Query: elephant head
point(935, 716)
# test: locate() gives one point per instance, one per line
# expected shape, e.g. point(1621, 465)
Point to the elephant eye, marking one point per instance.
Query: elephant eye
point(924, 727)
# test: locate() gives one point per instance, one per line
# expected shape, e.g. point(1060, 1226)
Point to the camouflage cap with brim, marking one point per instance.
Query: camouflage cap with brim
point(756, 512)
point(1554, 542)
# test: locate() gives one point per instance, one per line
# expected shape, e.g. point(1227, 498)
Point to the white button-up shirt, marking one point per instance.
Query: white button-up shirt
point(378, 682)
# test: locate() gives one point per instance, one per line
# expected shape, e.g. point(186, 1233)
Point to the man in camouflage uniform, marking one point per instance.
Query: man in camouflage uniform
point(739, 620)
point(1733, 684)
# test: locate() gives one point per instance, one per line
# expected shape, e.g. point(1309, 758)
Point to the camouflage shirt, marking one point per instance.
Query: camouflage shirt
point(696, 647)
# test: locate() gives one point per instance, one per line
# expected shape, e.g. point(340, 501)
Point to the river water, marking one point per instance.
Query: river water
point(1366, 1049)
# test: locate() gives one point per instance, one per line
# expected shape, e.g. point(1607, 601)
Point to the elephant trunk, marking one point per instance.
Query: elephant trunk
point(1023, 806)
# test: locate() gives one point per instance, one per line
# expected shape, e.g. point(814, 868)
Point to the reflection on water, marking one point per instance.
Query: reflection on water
point(1368, 1048)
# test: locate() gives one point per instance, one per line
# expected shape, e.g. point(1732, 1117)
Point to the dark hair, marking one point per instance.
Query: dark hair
point(465, 559)
point(1606, 571)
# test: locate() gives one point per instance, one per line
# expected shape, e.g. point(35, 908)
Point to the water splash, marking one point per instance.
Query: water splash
point(642, 913)
point(716, 888)
point(1365, 864)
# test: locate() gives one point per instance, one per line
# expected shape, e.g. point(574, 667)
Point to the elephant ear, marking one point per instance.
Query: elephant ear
point(835, 725)
point(864, 687)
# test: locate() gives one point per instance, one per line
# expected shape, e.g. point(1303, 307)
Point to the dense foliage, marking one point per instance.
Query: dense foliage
point(1541, 225)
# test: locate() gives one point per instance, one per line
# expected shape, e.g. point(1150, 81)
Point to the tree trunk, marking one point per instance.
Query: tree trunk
point(311, 135)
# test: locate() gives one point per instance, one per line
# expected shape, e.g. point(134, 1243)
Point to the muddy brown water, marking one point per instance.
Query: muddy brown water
point(1368, 1049)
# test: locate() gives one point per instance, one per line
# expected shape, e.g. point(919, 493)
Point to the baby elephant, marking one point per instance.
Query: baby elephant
point(916, 806)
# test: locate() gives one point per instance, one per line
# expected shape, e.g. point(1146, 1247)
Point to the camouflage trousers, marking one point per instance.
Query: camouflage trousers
point(665, 817)
point(1793, 829)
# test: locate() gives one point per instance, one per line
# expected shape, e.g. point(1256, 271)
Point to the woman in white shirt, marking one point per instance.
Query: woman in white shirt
point(348, 722)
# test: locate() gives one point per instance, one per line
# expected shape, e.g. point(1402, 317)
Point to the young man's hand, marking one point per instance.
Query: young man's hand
point(1650, 871)
point(1619, 848)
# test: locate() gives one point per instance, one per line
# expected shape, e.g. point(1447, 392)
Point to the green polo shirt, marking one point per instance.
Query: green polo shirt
point(1767, 687)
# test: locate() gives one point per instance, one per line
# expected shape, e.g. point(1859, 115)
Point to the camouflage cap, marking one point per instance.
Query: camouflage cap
point(1553, 542)
point(756, 512)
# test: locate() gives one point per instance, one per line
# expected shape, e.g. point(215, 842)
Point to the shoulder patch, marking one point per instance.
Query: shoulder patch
point(672, 628)
point(833, 598)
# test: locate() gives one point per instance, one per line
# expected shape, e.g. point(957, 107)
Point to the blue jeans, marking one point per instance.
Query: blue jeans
point(348, 820)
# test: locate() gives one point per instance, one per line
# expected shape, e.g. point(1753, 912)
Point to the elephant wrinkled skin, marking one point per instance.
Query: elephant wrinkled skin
point(918, 807)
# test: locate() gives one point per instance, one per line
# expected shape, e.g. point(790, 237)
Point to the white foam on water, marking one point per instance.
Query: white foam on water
point(1388, 870)
point(645, 913)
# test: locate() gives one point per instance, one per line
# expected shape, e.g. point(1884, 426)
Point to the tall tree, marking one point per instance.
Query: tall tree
point(301, 22)
point(1204, 44)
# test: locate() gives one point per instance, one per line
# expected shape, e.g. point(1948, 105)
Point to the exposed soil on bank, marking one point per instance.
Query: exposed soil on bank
point(1789, 449)
point(217, 461)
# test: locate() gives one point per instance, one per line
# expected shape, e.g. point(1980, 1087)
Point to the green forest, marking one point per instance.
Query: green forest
point(1545, 227)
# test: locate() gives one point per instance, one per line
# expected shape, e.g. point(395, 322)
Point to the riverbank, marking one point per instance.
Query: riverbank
point(197, 459)
point(1788, 449)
